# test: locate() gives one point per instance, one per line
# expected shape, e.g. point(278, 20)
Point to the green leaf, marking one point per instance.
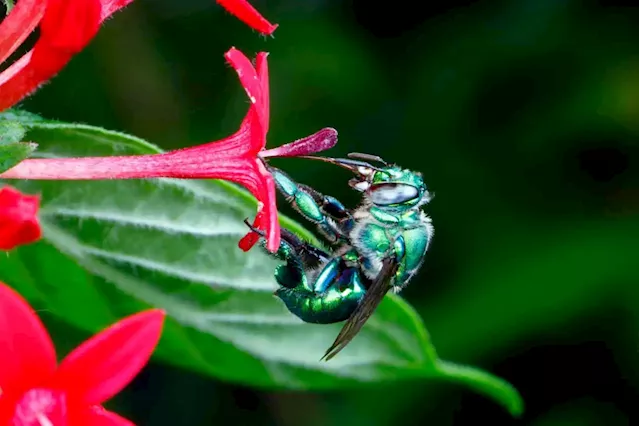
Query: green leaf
point(8, 4)
point(483, 382)
point(11, 132)
point(12, 150)
point(112, 248)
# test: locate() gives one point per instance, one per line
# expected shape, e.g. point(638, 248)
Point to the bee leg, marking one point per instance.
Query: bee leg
point(334, 295)
point(333, 220)
point(339, 219)
point(298, 255)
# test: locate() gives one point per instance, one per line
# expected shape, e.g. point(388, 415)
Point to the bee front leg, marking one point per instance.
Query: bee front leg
point(333, 220)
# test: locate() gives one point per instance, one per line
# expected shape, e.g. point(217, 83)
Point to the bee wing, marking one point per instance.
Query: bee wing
point(372, 298)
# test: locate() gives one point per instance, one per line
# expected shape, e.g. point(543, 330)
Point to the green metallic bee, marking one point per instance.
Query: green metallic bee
point(375, 248)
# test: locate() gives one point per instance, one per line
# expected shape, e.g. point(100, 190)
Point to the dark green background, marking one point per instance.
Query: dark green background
point(522, 116)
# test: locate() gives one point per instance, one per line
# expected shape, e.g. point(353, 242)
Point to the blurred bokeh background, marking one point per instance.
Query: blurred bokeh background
point(523, 118)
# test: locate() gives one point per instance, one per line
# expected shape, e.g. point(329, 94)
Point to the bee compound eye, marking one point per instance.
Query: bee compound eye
point(392, 193)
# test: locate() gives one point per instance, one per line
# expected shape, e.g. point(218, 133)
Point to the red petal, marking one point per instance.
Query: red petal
point(38, 407)
point(270, 218)
point(263, 77)
point(106, 363)
point(111, 6)
point(7, 410)
point(253, 85)
point(68, 25)
point(27, 353)
point(267, 216)
point(320, 141)
point(98, 416)
point(17, 81)
point(242, 10)
point(66, 28)
point(246, 73)
point(18, 220)
point(250, 240)
point(16, 27)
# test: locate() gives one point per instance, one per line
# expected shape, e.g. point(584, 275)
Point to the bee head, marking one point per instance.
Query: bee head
point(387, 186)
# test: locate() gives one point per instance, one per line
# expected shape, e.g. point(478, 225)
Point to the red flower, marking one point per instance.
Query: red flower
point(66, 27)
point(35, 392)
point(242, 10)
point(18, 220)
point(238, 158)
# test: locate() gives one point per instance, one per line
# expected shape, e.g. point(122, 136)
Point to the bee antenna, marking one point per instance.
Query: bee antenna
point(344, 162)
point(366, 157)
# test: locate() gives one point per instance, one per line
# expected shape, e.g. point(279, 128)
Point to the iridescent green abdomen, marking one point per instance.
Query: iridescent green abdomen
point(335, 294)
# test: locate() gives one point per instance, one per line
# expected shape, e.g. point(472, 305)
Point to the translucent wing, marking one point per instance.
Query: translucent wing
point(372, 298)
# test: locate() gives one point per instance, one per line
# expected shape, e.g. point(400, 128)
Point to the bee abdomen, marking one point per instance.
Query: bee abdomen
point(334, 305)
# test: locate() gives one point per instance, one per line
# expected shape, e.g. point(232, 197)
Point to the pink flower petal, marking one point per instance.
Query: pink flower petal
point(267, 216)
point(269, 220)
point(111, 6)
point(242, 10)
point(320, 141)
point(98, 416)
point(262, 70)
point(252, 85)
point(67, 26)
point(7, 410)
point(18, 218)
point(18, 81)
point(16, 27)
point(107, 362)
point(27, 355)
point(38, 407)
point(251, 238)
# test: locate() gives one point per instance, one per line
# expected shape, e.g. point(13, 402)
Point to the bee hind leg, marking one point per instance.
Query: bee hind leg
point(299, 255)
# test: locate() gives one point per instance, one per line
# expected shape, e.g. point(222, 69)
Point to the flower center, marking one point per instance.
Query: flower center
point(41, 407)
